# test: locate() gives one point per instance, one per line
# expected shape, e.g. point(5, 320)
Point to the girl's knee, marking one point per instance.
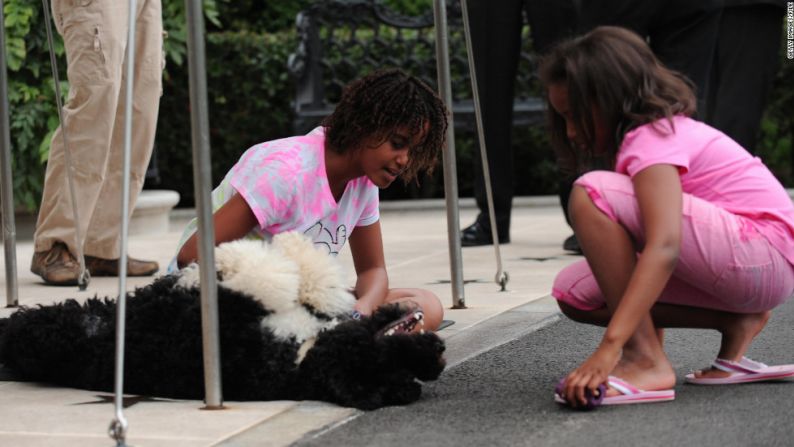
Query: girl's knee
point(568, 277)
point(578, 295)
point(576, 287)
point(434, 311)
point(599, 180)
point(601, 193)
point(427, 300)
point(579, 203)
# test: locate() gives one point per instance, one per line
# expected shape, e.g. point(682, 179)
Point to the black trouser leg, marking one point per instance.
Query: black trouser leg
point(745, 64)
point(496, 41)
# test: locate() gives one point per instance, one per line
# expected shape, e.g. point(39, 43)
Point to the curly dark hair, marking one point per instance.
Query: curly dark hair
point(614, 71)
point(374, 107)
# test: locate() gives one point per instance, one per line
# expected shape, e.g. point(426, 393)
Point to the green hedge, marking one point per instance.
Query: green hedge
point(776, 142)
point(249, 101)
point(32, 109)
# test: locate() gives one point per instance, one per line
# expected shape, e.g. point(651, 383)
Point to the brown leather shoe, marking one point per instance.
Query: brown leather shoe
point(110, 267)
point(56, 266)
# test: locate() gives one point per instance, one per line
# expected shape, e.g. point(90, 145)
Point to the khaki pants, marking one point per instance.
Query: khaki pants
point(95, 39)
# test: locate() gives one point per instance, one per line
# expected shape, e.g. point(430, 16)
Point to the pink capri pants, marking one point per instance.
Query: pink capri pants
point(724, 263)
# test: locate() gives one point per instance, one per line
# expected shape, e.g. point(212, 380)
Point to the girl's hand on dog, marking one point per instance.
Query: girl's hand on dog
point(363, 308)
point(593, 372)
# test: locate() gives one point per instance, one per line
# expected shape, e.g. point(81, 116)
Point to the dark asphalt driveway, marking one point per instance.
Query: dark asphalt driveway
point(504, 397)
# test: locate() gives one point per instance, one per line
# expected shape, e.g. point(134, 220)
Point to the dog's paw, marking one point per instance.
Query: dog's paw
point(188, 277)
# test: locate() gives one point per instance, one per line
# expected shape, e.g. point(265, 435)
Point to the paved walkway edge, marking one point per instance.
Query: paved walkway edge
point(291, 425)
point(500, 329)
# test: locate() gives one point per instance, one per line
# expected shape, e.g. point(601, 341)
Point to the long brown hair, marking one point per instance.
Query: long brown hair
point(613, 71)
point(376, 106)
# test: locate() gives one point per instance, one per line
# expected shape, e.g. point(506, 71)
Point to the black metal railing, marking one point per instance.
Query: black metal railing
point(341, 40)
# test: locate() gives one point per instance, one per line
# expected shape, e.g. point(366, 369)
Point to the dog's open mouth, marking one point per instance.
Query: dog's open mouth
point(404, 325)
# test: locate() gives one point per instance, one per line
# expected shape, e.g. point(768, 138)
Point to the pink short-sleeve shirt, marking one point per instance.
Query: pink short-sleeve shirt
point(714, 168)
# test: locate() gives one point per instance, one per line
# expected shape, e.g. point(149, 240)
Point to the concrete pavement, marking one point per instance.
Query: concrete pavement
point(416, 250)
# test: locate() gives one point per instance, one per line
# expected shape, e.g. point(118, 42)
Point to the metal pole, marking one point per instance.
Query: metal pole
point(9, 227)
point(199, 123)
point(118, 428)
point(501, 276)
point(448, 156)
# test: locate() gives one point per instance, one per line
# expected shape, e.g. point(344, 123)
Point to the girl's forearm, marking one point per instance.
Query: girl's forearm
point(651, 274)
point(188, 252)
point(231, 221)
point(371, 287)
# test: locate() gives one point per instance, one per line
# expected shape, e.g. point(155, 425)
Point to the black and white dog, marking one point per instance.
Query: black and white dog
point(285, 333)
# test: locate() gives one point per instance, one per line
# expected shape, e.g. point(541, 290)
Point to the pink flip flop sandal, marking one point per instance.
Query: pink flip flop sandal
point(629, 394)
point(743, 371)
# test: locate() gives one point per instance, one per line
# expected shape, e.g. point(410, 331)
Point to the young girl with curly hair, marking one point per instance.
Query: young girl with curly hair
point(325, 184)
point(686, 230)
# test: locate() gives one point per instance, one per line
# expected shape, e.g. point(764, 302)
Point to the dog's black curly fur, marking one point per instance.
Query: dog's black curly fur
point(73, 345)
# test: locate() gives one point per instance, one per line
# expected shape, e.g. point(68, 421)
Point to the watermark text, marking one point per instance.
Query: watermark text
point(790, 30)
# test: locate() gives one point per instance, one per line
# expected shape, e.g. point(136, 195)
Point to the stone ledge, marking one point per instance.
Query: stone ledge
point(183, 215)
point(152, 211)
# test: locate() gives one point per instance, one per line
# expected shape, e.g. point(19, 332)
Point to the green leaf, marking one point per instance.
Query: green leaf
point(16, 52)
point(44, 146)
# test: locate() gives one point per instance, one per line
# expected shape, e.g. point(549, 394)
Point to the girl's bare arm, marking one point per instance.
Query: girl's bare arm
point(232, 221)
point(658, 191)
point(372, 283)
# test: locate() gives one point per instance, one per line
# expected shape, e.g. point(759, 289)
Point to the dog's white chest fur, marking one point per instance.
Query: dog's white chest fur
point(302, 286)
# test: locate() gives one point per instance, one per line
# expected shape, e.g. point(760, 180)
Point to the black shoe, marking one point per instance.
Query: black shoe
point(110, 267)
point(572, 244)
point(475, 235)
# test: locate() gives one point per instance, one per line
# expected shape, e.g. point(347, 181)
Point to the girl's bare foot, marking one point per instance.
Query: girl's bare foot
point(644, 372)
point(736, 338)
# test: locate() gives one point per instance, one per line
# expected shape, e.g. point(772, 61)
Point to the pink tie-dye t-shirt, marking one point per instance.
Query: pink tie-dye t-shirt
point(285, 184)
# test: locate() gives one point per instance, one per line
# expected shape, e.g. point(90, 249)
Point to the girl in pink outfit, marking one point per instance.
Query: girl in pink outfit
point(686, 230)
point(325, 184)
